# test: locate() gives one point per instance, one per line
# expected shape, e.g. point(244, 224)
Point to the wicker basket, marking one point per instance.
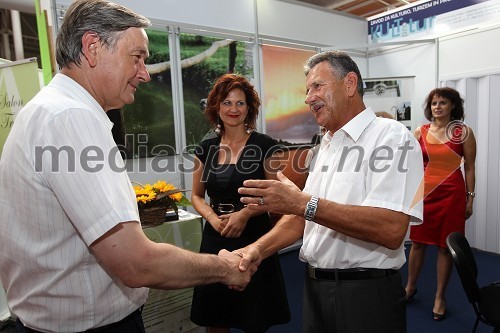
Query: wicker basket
point(154, 215)
point(155, 212)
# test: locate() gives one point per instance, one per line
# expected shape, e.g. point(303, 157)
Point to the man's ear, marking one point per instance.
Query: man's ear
point(351, 82)
point(90, 46)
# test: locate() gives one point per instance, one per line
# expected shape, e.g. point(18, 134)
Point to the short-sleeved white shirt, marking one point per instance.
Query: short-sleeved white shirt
point(62, 186)
point(370, 161)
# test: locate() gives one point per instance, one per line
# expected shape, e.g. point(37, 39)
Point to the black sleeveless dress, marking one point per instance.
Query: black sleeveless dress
point(264, 302)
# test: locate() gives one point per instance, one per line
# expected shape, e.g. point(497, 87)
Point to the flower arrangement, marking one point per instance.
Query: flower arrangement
point(155, 200)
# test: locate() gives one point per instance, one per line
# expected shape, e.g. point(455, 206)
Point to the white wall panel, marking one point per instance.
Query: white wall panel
point(362, 63)
point(482, 106)
point(221, 14)
point(492, 198)
point(475, 227)
point(469, 92)
point(473, 53)
point(292, 20)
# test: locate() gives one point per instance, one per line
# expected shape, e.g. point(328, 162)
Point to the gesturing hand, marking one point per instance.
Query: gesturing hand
point(275, 196)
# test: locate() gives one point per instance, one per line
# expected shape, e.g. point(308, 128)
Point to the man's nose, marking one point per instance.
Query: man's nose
point(144, 74)
point(310, 97)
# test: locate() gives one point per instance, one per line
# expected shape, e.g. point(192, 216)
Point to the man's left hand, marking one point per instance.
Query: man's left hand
point(275, 196)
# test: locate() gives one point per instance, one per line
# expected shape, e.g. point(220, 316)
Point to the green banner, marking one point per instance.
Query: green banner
point(44, 43)
point(19, 82)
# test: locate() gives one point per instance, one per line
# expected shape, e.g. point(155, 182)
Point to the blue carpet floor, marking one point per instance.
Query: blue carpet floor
point(460, 314)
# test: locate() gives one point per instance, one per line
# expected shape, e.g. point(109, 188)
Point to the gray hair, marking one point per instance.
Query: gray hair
point(341, 64)
point(108, 20)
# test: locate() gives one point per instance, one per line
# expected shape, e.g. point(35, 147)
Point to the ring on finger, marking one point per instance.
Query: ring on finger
point(261, 201)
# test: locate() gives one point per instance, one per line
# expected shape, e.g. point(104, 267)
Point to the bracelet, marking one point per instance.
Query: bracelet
point(311, 207)
point(471, 194)
point(208, 216)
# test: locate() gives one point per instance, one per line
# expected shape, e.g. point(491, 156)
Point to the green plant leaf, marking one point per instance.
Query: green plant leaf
point(184, 202)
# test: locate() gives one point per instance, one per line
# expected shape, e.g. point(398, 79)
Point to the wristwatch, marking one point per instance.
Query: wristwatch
point(311, 207)
point(471, 194)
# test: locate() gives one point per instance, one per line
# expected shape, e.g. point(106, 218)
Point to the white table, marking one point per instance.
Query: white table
point(168, 311)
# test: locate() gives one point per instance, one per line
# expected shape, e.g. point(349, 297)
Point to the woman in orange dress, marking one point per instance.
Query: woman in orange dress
point(446, 142)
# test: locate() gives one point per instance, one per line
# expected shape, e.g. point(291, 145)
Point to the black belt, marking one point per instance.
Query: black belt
point(348, 274)
point(225, 205)
point(130, 317)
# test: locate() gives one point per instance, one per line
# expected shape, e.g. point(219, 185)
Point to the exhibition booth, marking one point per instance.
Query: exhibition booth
point(402, 55)
point(420, 46)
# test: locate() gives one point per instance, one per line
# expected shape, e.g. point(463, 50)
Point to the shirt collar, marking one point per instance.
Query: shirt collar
point(67, 83)
point(355, 127)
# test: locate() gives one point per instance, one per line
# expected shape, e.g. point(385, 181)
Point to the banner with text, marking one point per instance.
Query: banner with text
point(19, 82)
point(430, 19)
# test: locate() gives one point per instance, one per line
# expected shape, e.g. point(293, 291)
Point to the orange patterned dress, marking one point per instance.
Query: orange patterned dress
point(444, 193)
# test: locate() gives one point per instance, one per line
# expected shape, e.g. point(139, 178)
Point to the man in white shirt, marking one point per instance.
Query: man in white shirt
point(73, 256)
point(360, 196)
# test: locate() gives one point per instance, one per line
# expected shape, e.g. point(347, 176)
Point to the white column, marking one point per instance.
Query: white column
point(17, 34)
point(6, 46)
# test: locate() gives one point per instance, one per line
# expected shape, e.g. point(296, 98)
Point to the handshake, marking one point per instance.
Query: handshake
point(242, 264)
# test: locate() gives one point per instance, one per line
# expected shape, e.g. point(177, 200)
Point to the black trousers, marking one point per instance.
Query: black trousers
point(131, 324)
point(373, 305)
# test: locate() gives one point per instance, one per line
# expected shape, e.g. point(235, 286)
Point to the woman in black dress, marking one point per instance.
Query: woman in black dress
point(221, 165)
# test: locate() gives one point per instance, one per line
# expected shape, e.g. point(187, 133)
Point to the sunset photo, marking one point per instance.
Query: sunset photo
point(287, 116)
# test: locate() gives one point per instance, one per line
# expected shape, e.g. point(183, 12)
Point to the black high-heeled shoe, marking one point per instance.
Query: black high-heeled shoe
point(438, 316)
point(409, 297)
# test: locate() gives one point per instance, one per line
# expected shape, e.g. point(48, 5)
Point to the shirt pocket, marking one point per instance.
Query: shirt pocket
point(347, 188)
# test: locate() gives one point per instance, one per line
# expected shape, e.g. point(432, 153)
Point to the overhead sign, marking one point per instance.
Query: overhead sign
point(429, 19)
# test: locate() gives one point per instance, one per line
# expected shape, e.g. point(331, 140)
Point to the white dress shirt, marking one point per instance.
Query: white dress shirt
point(371, 161)
point(62, 186)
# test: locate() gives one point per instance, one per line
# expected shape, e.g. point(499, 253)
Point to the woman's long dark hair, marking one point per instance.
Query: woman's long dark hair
point(457, 113)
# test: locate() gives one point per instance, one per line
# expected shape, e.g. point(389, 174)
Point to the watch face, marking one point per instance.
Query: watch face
point(311, 208)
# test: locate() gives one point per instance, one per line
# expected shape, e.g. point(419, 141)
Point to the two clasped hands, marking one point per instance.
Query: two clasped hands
point(274, 196)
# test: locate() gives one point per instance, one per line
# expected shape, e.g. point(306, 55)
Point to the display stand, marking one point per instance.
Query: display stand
point(168, 311)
